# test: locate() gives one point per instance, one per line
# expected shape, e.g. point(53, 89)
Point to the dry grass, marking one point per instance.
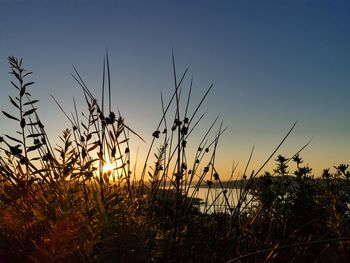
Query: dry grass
point(59, 204)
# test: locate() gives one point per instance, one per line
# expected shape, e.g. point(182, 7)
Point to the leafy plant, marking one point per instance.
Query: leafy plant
point(61, 203)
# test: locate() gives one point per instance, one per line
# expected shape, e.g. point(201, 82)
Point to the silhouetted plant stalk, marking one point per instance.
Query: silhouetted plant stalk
point(106, 129)
point(18, 164)
point(69, 208)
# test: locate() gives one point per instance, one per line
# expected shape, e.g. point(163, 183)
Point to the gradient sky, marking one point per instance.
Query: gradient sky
point(272, 63)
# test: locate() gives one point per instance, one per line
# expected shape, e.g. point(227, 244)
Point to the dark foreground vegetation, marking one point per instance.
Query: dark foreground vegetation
point(58, 203)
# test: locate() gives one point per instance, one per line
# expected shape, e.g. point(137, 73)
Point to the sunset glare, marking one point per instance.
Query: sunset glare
point(108, 167)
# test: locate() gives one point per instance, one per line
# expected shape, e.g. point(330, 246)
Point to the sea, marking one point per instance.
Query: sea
point(216, 200)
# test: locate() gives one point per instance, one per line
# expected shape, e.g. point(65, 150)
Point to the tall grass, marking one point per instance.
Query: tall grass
point(59, 203)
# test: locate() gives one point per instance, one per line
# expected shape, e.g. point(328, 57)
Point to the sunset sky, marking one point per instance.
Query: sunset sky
point(272, 63)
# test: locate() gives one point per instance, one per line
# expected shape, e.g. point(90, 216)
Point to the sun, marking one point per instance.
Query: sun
point(108, 167)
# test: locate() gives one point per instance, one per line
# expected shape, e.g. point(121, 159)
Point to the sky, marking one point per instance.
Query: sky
point(271, 62)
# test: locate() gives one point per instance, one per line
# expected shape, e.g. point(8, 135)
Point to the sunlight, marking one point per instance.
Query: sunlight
point(108, 167)
point(112, 169)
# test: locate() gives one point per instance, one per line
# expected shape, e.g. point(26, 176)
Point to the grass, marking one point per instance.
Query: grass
point(59, 203)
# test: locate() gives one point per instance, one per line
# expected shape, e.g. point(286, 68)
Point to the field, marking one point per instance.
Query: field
point(81, 201)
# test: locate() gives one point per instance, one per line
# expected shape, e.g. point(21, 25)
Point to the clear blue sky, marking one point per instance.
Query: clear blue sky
point(271, 62)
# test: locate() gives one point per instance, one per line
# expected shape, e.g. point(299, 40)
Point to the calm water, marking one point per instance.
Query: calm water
point(216, 201)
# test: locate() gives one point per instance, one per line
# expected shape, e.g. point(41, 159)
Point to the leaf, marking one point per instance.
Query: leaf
point(26, 74)
point(36, 123)
point(33, 123)
point(13, 139)
point(93, 147)
point(119, 131)
point(112, 135)
point(15, 150)
point(23, 123)
point(88, 164)
point(30, 102)
point(83, 153)
point(84, 126)
point(123, 141)
point(29, 112)
point(34, 135)
point(113, 151)
point(33, 148)
point(13, 84)
point(16, 75)
point(9, 116)
point(28, 84)
point(14, 103)
point(40, 170)
point(100, 156)
point(23, 91)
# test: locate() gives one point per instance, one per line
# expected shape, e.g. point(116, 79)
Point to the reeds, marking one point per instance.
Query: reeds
point(60, 203)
